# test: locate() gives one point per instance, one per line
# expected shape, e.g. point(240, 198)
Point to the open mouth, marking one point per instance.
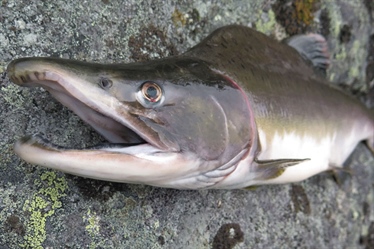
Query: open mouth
point(92, 105)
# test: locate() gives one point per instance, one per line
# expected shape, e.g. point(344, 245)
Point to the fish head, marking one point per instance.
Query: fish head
point(168, 121)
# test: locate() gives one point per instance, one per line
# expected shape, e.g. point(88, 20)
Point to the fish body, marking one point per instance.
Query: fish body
point(238, 109)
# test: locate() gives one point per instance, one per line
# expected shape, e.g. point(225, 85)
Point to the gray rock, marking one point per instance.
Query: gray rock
point(40, 208)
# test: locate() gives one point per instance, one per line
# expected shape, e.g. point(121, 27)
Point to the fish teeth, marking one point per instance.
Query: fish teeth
point(27, 76)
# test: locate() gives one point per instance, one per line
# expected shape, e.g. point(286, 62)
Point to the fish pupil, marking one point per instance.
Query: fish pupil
point(152, 92)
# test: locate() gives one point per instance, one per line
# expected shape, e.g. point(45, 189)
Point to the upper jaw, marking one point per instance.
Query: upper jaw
point(111, 118)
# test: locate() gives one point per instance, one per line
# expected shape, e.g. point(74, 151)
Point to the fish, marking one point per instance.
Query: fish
point(239, 109)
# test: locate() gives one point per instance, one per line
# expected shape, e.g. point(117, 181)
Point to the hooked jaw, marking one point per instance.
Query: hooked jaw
point(68, 82)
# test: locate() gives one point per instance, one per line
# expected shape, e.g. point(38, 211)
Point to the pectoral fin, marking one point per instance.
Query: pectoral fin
point(270, 169)
point(251, 188)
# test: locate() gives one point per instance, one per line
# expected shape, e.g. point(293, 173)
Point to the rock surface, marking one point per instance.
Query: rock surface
point(41, 208)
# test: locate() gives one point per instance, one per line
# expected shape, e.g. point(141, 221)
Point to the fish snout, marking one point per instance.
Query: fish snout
point(23, 71)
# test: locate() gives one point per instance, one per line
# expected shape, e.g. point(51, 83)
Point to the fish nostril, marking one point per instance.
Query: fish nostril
point(105, 83)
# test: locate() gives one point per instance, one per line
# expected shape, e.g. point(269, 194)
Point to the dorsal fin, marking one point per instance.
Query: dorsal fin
point(312, 47)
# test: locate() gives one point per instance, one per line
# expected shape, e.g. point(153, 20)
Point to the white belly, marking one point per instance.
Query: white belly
point(293, 146)
point(331, 150)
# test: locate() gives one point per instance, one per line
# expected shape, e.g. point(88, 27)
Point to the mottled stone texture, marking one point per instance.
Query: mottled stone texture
point(40, 208)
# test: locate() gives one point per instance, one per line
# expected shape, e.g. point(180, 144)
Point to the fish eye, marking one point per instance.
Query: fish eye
point(151, 91)
point(105, 83)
